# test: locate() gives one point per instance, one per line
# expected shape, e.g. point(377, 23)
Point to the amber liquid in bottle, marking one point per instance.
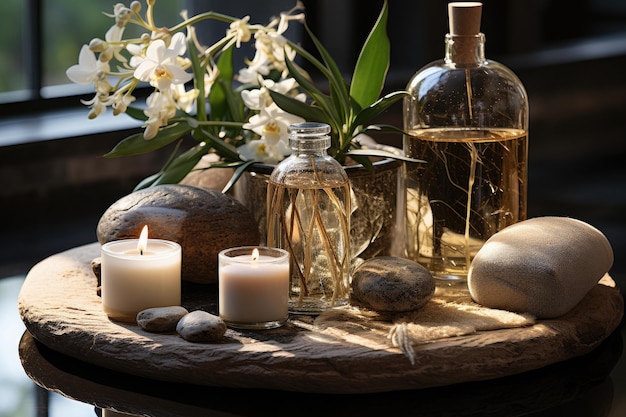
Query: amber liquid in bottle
point(469, 189)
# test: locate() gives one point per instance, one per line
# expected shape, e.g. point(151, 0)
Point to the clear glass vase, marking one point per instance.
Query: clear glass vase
point(308, 214)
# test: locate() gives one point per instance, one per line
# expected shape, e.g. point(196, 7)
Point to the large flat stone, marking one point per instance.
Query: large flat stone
point(60, 308)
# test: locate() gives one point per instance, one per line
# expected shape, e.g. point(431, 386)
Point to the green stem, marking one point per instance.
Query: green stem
point(200, 17)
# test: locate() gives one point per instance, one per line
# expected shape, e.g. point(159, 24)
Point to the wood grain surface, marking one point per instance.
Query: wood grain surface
point(60, 307)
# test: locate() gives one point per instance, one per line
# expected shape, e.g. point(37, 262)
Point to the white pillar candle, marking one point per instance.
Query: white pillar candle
point(136, 275)
point(253, 287)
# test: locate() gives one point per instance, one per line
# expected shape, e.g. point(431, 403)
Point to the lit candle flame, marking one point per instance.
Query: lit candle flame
point(142, 245)
point(255, 255)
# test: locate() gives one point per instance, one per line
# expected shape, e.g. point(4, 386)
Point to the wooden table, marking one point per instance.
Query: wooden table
point(61, 309)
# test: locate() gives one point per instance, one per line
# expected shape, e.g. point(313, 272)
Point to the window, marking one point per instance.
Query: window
point(36, 51)
point(44, 36)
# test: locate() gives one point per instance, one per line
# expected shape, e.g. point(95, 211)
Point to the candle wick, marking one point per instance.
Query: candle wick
point(140, 251)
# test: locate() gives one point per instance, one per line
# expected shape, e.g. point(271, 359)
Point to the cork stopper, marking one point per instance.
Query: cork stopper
point(464, 18)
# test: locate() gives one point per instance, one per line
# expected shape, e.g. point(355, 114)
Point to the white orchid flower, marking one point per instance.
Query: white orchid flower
point(260, 150)
point(239, 31)
point(89, 69)
point(210, 77)
point(258, 66)
point(258, 98)
point(270, 49)
point(137, 52)
point(272, 124)
point(113, 45)
point(121, 13)
point(161, 108)
point(269, 46)
point(185, 100)
point(286, 17)
point(161, 66)
point(97, 105)
point(121, 102)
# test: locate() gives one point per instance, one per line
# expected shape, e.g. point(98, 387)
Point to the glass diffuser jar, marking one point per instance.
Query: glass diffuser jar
point(467, 117)
point(308, 214)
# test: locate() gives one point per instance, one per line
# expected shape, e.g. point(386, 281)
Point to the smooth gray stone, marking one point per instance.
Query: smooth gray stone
point(203, 222)
point(388, 283)
point(543, 266)
point(161, 319)
point(200, 326)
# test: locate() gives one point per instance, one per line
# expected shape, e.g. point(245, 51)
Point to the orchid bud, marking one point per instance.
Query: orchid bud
point(96, 109)
point(135, 6)
point(122, 14)
point(106, 55)
point(97, 45)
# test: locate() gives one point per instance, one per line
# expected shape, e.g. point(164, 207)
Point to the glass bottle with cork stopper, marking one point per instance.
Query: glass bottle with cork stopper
point(308, 214)
point(467, 117)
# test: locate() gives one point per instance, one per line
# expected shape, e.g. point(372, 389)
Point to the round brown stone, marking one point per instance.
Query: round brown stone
point(202, 221)
point(388, 283)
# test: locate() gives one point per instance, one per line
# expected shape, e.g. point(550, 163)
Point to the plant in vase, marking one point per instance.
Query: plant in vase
point(241, 116)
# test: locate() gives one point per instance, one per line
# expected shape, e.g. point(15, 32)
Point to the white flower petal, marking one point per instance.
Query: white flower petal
point(253, 99)
point(86, 71)
point(144, 70)
point(178, 44)
point(178, 75)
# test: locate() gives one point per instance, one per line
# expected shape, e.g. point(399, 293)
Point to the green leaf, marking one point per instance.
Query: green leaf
point(363, 160)
point(236, 108)
point(198, 79)
point(320, 99)
point(222, 148)
point(238, 172)
point(378, 107)
point(381, 128)
point(297, 107)
point(180, 166)
point(176, 173)
point(136, 144)
point(338, 87)
point(147, 182)
point(218, 94)
point(354, 153)
point(136, 113)
point(371, 68)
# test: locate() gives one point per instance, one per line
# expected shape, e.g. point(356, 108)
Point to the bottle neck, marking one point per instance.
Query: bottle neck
point(465, 50)
point(310, 145)
point(309, 138)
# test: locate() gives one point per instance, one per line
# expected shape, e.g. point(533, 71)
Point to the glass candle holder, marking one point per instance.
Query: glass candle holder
point(253, 287)
point(134, 280)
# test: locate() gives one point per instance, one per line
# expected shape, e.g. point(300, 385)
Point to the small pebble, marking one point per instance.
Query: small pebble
point(160, 319)
point(200, 326)
point(96, 264)
point(388, 283)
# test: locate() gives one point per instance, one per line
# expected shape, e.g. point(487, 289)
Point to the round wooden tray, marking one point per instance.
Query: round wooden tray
point(581, 383)
point(61, 309)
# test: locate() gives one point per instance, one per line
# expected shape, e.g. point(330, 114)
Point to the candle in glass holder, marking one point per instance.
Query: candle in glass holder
point(253, 287)
point(138, 274)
